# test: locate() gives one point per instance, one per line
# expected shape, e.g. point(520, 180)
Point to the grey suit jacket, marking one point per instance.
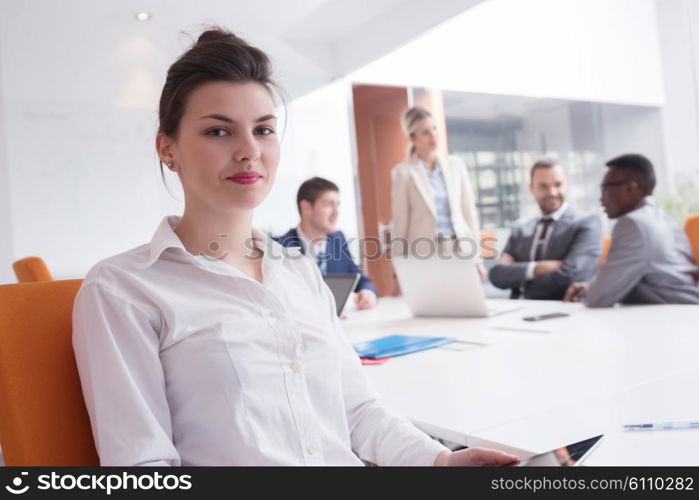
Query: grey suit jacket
point(650, 262)
point(576, 240)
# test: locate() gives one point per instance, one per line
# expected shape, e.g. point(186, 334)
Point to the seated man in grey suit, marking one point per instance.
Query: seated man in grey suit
point(650, 259)
point(546, 254)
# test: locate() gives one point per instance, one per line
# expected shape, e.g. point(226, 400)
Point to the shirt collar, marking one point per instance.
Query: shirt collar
point(648, 200)
point(320, 245)
point(165, 238)
point(426, 167)
point(558, 213)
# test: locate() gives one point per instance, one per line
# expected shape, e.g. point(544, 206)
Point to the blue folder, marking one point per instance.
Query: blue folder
point(397, 345)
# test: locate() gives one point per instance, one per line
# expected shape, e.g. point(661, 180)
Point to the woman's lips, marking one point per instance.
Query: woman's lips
point(245, 177)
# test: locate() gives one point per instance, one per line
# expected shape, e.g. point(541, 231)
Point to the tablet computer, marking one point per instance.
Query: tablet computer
point(567, 456)
point(341, 285)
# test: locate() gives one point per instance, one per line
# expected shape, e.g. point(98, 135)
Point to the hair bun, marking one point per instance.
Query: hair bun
point(216, 34)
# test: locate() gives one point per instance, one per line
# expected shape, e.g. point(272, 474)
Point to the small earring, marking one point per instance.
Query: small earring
point(171, 165)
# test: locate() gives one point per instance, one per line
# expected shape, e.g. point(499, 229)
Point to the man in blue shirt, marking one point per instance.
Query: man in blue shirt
point(318, 202)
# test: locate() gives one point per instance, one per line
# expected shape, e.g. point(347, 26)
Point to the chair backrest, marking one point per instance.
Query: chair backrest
point(43, 420)
point(31, 270)
point(606, 243)
point(691, 227)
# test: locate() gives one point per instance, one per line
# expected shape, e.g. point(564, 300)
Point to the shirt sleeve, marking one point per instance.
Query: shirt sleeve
point(118, 358)
point(377, 434)
point(511, 275)
point(625, 266)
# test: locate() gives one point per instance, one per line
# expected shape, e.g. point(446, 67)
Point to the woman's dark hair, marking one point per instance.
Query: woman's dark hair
point(217, 55)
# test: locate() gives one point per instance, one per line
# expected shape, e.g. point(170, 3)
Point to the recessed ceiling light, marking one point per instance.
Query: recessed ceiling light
point(142, 16)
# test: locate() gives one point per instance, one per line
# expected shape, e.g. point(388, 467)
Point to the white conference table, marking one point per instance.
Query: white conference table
point(529, 392)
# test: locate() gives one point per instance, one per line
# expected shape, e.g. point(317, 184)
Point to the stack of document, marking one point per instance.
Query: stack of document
point(397, 345)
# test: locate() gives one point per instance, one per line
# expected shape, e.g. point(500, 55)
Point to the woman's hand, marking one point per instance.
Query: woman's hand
point(475, 457)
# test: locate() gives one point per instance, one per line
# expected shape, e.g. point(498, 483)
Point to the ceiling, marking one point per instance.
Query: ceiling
point(95, 52)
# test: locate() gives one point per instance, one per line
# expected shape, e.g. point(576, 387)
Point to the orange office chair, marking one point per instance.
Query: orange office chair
point(691, 227)
point(32, 269)
point(606, 243)
point(43, 420)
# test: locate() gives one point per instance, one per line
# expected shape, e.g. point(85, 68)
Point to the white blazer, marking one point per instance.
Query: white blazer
point(414, 210)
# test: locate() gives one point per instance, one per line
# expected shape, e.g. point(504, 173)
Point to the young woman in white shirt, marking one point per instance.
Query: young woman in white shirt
point(237, 358)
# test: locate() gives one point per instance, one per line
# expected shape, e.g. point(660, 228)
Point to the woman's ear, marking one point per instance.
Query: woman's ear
point(164, 145)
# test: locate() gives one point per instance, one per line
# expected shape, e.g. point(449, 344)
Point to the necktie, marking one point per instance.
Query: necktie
point(322, 258)
point(545, 224)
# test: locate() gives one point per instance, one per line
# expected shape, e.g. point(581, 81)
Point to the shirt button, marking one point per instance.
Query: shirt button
point(311, 449)
point(272, 321)
point(296, 367)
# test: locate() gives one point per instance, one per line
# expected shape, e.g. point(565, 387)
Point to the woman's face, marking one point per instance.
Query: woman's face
point(226, 150)
point(424, 136)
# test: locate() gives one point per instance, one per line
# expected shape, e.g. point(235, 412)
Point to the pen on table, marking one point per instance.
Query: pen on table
point(662, 426)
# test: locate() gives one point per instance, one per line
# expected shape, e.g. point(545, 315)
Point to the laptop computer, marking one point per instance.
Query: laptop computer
point(444, 286)
point(341, 285)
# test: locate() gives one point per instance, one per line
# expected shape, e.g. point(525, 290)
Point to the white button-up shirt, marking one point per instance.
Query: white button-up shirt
point(184, 360)
point(312, 248)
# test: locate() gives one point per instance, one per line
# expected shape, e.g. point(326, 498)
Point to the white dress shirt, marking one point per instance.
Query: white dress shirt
point(537, 233)
point(185, 360)
point(312, 248)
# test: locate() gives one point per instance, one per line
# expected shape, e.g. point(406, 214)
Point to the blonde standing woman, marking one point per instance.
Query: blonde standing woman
point(237, 358)
point(432, 197)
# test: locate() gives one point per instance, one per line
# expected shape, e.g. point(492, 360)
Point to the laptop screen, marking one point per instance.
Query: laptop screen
point(341, 286)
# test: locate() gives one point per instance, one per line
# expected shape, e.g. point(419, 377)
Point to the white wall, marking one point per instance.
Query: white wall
point(624, 129)
point(84, 182)
point(6, 234)
point(678, 24)
point(79, 130)
point(316, 142)
point(593, 50)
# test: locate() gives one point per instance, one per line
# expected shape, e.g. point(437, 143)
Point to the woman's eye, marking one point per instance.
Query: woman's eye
point(264, 131)
point(217, 132)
